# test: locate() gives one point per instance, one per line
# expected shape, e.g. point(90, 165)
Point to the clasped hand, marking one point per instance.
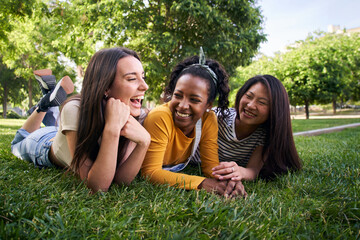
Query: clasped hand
point(228, 171)
point(224, 188)
point(120, 121)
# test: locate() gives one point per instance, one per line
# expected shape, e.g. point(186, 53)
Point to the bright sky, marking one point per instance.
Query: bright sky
point(287, 21)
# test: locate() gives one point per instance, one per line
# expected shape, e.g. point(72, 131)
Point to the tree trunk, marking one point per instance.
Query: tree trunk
point(307, 109)
point(334, 105)
point(4, 103)
point(30, 93)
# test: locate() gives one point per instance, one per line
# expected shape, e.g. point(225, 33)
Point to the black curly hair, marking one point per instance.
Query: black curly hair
point(222, 84)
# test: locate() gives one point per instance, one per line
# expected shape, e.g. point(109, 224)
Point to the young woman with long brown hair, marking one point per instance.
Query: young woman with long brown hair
point(256, 138)
point(98, 136)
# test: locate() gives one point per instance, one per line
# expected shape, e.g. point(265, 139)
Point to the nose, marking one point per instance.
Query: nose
point(143, 85)
point(251, 104)
point(183, 104)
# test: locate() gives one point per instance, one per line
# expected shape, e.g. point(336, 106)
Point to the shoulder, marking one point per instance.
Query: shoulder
point(160, 112)
point(227, 121)
point(209, 123)
point(159, 116)
point(71, 107)
point(209, 117)
point(260, 131)
point(260, 134)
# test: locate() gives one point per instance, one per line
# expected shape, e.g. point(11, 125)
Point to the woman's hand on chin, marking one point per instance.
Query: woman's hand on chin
point(135, 132)
point(116, 114)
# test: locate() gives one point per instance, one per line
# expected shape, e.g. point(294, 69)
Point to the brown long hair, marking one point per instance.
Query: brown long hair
point(99, 76)
point(279, 145)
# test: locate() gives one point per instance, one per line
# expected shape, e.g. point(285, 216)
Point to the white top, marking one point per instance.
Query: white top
point(68, 121)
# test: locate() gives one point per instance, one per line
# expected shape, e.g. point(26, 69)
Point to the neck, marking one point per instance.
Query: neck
point(243, 130)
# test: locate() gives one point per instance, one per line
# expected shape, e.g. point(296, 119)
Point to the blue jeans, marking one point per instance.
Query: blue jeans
point(34, 147)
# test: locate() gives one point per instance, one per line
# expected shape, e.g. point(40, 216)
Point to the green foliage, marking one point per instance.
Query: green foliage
point(30, 47)
point(10, 9)
point(9, 86)
point(163, 32)
point(320, 202)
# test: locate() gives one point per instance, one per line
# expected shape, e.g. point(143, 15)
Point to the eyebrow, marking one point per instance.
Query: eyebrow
point(259, 98)
point(132, 73)
point(193, 95)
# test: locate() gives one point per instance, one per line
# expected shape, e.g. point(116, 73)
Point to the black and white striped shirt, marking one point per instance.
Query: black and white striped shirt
point(232, 149)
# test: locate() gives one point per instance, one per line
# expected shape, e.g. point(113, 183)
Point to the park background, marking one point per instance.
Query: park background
point(320, 71)
point(321, 68)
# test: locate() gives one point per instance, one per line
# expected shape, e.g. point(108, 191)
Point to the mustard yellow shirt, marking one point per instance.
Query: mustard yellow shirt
point(169, 146)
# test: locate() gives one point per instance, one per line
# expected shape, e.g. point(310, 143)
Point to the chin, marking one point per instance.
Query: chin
point(135, 112)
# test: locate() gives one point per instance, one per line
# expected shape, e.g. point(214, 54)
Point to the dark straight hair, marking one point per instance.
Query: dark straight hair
point(279, 145)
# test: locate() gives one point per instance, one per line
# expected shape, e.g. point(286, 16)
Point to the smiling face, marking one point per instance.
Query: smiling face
point(254, 105)
point(189, 102)
point(129, 85)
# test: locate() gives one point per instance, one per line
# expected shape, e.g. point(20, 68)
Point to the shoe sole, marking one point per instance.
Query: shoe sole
point(42, 72)
point(65, 86)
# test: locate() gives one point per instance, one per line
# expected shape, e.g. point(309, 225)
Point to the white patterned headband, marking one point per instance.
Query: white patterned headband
point(202, 64)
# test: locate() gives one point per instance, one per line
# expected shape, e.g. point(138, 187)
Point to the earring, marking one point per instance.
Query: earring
point(208, 110)
point(106, 96)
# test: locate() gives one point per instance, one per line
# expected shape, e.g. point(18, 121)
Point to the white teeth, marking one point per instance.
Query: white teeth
point(138, 97)
point(182, 114)
point(250, 114)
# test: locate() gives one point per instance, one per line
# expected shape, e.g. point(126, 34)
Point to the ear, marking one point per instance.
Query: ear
point(209, 106)
point(106, 94)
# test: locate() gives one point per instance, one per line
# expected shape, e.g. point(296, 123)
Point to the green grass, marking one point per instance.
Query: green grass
point(320, 202)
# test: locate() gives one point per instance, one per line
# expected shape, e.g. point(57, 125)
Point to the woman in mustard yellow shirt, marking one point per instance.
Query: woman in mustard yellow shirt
point(186, 122)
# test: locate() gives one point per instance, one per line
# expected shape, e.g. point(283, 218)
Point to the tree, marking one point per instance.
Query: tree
point(169, 31)
point(164, 32)
point(320, 68)
point(10, 9)
point(9, 87)
point(31, 47)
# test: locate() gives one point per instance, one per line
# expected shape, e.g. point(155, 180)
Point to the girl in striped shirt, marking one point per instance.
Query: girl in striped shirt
point(255, 138)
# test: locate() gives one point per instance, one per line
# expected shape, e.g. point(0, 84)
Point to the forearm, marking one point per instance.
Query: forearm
point(208, 165)
point(178, 180)
point(128, 170)
point(102, 172)
point(248, 174)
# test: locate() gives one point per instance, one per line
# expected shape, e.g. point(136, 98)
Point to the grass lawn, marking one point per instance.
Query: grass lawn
point(320, 202)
